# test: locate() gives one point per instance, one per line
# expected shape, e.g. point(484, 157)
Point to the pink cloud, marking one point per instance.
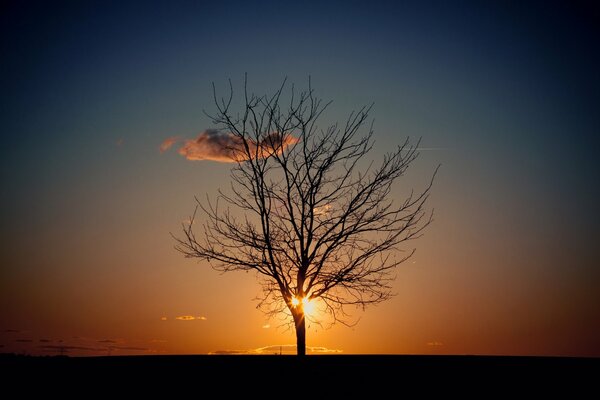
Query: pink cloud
point(168, 142)
point(222, 146)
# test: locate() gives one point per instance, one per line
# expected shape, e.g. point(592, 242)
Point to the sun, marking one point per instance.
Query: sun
point(307, 305)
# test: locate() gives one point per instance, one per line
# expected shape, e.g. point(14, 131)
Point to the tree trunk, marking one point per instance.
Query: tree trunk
point(300, 323)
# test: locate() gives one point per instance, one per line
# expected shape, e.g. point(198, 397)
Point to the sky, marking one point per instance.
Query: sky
point(505, 96)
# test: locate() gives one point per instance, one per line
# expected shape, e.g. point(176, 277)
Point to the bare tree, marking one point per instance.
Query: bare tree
point(305, 210)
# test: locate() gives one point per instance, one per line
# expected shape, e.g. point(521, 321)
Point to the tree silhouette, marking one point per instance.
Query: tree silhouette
point(305, 210)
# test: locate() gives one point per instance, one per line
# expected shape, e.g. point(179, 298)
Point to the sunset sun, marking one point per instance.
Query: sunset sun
point(308, 305)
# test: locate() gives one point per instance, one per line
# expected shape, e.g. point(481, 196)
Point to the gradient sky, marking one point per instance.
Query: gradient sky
point(507, 95)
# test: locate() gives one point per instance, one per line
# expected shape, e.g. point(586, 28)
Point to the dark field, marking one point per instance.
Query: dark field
point(335, 374)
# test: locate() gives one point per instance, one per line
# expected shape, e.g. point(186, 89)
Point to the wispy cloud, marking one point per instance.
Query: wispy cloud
point(168, 142)
point(222, 146)
point(432, 148)
point(435, 344)
point(266, 326)
point(133, 348)
point(107, 341)
point(188, 318)
point(185, 318)
point(228, 352)
point(323, 350)
point(68, 348)
point(77, 345)
point(279, 349)
point(322, 210)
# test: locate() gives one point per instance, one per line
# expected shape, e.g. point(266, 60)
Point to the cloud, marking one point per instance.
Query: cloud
point(322, 210)
point(185, 318)
point(228, 352)
point(45, 340)
point(188, 318)
point(323, 350)
point(11, 331)
point(291, 349)
point(266, 326)
point(129, 348)
point(279, 349)
point(168, 142)
point(23, 340)
point(107, 345)
point(222, 146)
point(435, 344)
point(158, 341)
point(163, 318)
point(65, 349)
point(119, 142)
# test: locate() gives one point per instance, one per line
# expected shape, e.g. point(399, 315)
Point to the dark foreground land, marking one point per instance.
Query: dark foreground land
point(334, 373)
